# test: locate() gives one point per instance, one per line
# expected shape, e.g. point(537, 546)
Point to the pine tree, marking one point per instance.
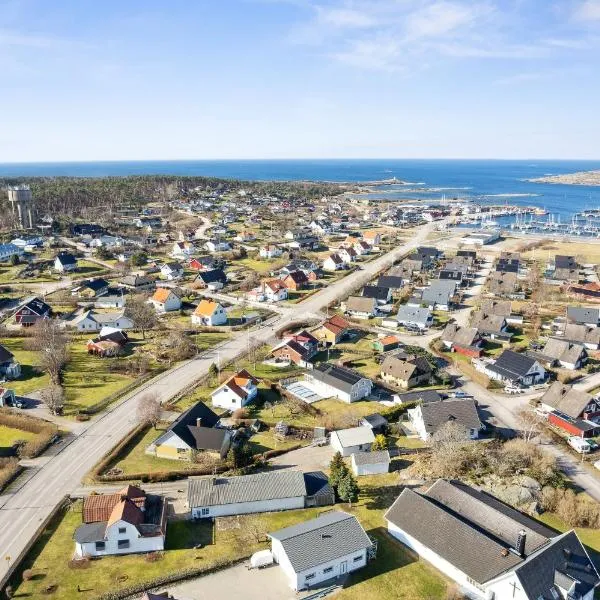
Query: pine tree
point(337, 469)
point(348, 488)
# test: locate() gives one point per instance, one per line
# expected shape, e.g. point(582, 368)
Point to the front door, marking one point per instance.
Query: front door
point(343, 567)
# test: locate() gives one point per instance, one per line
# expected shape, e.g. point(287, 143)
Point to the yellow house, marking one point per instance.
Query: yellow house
point(332, 331)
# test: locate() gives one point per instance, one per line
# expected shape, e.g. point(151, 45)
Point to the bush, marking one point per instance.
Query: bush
point(9, 469)
point(44, 431)
point(28, 574)
point(79, 563)
point(153, 557)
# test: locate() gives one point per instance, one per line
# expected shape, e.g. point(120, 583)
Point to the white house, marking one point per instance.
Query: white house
point(165, 300)
point(91, 320)
point(324, 548)
point(270, 251)
point(370, 463)
point(65, 262)
point(127, 522)
point(216, 246)
point(353, 440)
point(428, 418)
point(329, 380)
point(373, 238)
point(236, 392)
point(492, 550)
point(515, 368)
point(210, 497)
point(348, 255)
point(182, 250)
point(333, 263)
point(274, 290)
point(209, 313)
point(171, 271)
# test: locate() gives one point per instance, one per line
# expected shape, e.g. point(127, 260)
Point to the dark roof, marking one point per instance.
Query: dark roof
point(463, 412)
point(90, 532)
point(321, 540)
point(317, 484)
point(37, 306)
point(424, 396)
point(452, 275)
point(207, 438)
point(95, 284)
point(212, 276)
point(390, 281)
point(376, 420)
point(339, 377)
point(565, 262)
point(215, 491)
point(377, 292)
point(186, 422)
point(470, 253)
point(512, 365)
point(66, 259)
point(5, 355)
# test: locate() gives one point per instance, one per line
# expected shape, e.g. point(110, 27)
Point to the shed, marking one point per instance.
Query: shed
point(371, 463)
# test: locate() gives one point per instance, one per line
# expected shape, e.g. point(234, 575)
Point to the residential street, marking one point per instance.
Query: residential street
point(23, 510)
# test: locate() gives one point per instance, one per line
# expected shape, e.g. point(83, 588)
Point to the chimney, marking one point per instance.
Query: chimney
point(520, 545)
point(198, 422)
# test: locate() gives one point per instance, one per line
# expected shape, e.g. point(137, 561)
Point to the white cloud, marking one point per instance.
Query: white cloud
point(588, 11)
point(441, 18)
point(345, 18)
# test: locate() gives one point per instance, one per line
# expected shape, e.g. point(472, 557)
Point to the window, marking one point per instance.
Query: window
point(357, 558)
point(328, 570)
point(205, 511)
point(100, 546)
point(122, 544)
point(122, 529)
point(181, 450)
point(309, 576)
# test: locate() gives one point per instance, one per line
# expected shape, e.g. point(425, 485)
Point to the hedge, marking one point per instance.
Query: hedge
point(10, 469)
point(44, 431)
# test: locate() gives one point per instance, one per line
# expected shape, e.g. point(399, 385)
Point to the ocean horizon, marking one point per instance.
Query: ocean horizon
point(484, 180)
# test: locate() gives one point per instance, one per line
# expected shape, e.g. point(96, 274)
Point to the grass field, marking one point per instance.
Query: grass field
point(10, 435)
point(583, 252)
point(262, 266)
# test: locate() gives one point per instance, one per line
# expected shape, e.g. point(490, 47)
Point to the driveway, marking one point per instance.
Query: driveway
point(269, 583)
point(309, 458)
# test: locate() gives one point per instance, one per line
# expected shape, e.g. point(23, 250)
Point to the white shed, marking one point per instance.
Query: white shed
point(371, 463)
point(351, 441)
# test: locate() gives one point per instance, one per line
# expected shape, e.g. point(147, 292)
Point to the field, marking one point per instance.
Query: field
point(396, 573)
point(10, 435)
point(585, 252)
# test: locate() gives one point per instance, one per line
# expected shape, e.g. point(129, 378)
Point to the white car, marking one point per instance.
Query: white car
point(513, 390)
point(579, 444)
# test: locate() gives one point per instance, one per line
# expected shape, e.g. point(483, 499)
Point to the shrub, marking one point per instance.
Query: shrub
point(28, 574)
point(153, 557)
point(79, 563)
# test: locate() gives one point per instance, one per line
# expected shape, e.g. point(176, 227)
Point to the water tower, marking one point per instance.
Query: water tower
point(21, 200)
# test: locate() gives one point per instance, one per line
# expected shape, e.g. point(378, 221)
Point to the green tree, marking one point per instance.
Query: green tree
point(337, 469)
point(348, 488)
point(380, 443)
point(138, 259)
point(14, 260)
point(213, 372)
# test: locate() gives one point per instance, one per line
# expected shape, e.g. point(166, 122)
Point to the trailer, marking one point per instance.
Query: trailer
point(261, 559)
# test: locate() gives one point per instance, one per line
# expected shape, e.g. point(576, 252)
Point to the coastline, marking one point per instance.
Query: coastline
point(591, 178)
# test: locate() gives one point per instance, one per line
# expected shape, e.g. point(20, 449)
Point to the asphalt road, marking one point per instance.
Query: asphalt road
point(24, 509)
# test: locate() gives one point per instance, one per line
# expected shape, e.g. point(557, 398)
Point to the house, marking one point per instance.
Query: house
point(373, 238)
point(107, 241)
point(182, 250)
point(348, 255)
point(9, 367)
point(428, 418)
point(508, 262)
point(501, 308)
point(80, 229)
point(324, 548)
point(138, 283)
point(414, 317)
point(298, 348)
point(439, 294)
point(296, 280)
point(393, 282)
point(236, 392)
point(165, 300)
point(491, 327)
point(502, 284)
point(8, 398)
point(307, 266)
point(205, 263)
point(332, 331)
point(127, 522)
point(566, 268)
point(172, 271)
point(353, 440)
point(329, 380)
point(573, 411)
point(217, 246)
point(412, 266)
point(245, 236)
point(270, 251)
point(333, 263)
point(428, 255)
point(274, 290)
point(516, 369)
point(582, 334)
point(209, 313)
point(193, 431)
point(489, 549)
point(566, 354)
point(480, 238)
point(91, 288)
point(7, 251)
point(65, 262)
point(214, 279)
point(28, 242)
point(383, 295)
point(31, 311)
point(406, 370)
point(361, 307)
point(361, 247)
point(584, 315)
point(110, 342)
point(376, 422)
point(90, 320)
point(463, 340)
point(422, 396)
point(386, 343)
point(370, 463)
point(210, 497)
point(114, 298)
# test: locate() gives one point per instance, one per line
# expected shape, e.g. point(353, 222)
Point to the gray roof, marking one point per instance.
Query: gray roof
point(440, 291)
point(371, 458)
point(582, 333)
point(338, 377)
point(413, 314)
point(317, 484)
point(512, 365)
point(463, 412)
point(354, 436)
point(375, 420)
point(422, 396)
point(90, 532)
point(583, 314)
point(469, 529)
point(215, 491)
point(361, 304)
point(462, 336)
point(566, 399)
point(565, 351)
point(321, 540)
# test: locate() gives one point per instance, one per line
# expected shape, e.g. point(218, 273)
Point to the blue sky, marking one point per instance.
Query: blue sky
point(115, 80)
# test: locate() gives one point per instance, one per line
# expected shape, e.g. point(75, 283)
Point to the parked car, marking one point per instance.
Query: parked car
point(593, 444)
point(513, 390)
point(579, 445)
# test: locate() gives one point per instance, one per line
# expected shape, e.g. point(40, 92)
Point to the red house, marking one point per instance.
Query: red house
point(297, 280)
point(31, 312)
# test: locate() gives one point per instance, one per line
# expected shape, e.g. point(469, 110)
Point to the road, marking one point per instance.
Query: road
point(24, 509)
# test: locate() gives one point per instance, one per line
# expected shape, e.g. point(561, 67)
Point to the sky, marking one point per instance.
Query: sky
point(224, 79)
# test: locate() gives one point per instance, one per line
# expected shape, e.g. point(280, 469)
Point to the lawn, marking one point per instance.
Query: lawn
point(86, 268)
point(204, 341)
point(585, 252)
point(396, 573)
point(10, 435)
point(262, 266)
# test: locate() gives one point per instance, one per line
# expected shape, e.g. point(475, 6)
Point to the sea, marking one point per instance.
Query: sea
point(485, 181)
